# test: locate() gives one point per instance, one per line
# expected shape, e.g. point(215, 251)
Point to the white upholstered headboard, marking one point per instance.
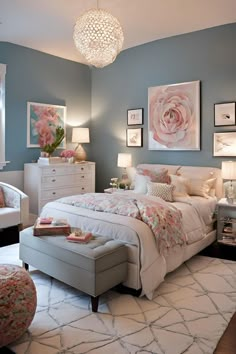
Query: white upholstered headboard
point(192, 172)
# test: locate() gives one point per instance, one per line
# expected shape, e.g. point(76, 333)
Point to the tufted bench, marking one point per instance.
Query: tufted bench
point(93, 268)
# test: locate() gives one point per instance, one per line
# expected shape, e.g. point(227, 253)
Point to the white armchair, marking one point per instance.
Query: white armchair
point(16, 210)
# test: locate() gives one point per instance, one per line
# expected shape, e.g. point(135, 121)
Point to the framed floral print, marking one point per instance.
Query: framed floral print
point(134, 137)
point(42, 121)
point(174, 116)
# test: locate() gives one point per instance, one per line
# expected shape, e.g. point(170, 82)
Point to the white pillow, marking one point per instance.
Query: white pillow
point(162, 190)
point(143, 176)
point(181, 186)
point(200, 187)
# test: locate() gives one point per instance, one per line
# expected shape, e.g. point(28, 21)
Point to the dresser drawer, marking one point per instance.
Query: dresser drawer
point(49, 182)
point(64, 170)
point(64, 192)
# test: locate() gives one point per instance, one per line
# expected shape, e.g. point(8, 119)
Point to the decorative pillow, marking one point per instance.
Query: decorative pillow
point(162, 190)
point(2, 199)
point(144, 175)
point(181, 186)
point(200, 187)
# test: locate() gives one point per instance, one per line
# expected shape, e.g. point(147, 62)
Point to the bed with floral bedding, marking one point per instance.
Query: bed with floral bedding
point(166, 219)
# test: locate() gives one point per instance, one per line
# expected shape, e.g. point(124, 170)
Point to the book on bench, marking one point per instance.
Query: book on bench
point(79, 236)
point(51, 226)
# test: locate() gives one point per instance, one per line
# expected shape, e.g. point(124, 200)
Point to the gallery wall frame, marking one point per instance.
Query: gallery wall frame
point(42, 121)
point(224, 114)
point(224, 144)
point(134, 137)
point(135, 116)
point(174, 116)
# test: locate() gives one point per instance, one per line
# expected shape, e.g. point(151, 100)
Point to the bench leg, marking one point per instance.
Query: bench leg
point(94, 302)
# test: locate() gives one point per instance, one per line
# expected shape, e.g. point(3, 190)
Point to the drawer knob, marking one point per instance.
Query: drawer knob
point(82, 188)
point(82, 168)
point(82, 176)
point(53, 193)
point(53, 180)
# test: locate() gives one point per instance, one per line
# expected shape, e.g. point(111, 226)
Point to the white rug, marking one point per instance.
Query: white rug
point(189, 314)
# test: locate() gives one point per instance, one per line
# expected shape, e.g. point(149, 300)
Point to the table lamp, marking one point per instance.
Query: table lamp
point(79, 136)
point(124, 160)
point(228, 171)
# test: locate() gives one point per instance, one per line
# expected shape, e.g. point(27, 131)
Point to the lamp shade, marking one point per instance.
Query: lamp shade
point(124, 160)
point(228, 170)
point(80, 135)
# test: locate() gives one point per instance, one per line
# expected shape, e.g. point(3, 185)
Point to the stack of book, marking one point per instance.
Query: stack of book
point(79, 236)
point(50, 226)
point(49, 160)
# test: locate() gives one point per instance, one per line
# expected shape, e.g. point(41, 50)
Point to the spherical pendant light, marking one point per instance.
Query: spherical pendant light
point(98, 36)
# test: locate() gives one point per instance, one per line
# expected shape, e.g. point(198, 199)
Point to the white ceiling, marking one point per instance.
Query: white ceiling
point(47, 25)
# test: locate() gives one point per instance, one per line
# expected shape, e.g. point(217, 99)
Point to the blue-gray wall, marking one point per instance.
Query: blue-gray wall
point(39, 77)
point(208, 56)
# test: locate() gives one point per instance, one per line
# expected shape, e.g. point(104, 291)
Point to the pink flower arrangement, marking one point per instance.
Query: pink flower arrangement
point(68, 153)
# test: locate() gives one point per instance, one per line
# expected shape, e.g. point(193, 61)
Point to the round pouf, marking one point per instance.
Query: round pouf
point(17, 302)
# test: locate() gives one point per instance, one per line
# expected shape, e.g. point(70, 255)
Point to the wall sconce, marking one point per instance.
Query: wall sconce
point(228, 171)
point(79, 136)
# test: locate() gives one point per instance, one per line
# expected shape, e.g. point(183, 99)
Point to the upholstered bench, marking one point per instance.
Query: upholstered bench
point(93, 268)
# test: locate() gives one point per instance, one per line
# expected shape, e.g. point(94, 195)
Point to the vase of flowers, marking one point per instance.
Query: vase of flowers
point(68, 155)
point(49, 148)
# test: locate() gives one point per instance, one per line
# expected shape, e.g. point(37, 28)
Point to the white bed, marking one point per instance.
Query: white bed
point(147, 266)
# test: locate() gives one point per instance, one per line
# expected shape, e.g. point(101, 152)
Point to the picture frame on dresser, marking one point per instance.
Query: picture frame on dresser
point(224, 114)
point(42, 121)
point(135, 116)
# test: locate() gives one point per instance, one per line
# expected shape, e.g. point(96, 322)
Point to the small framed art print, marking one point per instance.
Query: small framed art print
point(224, 144)
point(135, 116)
point(134, 137)
point(224, 114)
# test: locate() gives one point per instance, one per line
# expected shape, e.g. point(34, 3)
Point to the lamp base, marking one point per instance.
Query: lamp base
point(80, 153)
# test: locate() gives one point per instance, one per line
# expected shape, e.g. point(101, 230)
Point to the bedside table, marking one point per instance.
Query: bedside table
point(110, 190)
point(226, 223)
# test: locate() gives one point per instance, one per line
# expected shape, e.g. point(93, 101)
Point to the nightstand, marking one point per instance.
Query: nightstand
point(114, 190)
point(226, 223)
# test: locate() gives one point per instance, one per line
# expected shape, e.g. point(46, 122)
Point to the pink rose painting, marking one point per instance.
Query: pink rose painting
point(43, 120)
point(174, 116)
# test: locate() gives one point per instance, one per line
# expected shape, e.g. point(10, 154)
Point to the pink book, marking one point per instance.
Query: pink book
point(83, 238)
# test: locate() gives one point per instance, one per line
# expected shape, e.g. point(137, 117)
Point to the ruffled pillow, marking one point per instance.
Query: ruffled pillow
point(144, 175)
point(161, 190)
point(2, 199)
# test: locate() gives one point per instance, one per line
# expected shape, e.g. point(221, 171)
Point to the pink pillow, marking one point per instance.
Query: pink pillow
point(2, 200)
point(144, 175)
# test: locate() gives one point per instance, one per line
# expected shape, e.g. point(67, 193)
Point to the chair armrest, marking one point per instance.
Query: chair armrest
point(15, 198)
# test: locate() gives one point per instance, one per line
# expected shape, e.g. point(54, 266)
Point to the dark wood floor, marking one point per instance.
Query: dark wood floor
point(227, 343)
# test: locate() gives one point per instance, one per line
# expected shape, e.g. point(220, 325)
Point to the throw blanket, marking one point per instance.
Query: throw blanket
point(163, 218)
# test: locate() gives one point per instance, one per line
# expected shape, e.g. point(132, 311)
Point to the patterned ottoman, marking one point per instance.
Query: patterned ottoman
point(17, 302)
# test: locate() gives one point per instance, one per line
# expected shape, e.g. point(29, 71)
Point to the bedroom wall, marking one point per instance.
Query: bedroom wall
point(208, 56)
point(39, 77)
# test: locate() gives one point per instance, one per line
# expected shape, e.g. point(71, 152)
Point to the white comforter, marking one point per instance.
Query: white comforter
point(196, 215)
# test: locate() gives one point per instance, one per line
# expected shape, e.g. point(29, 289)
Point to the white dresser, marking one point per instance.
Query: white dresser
point(45, 183)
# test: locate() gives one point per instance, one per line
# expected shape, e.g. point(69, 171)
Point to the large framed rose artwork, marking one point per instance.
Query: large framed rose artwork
point(174, 116)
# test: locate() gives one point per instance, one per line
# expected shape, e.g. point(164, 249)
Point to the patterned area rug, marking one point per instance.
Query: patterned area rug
point(188, 314)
